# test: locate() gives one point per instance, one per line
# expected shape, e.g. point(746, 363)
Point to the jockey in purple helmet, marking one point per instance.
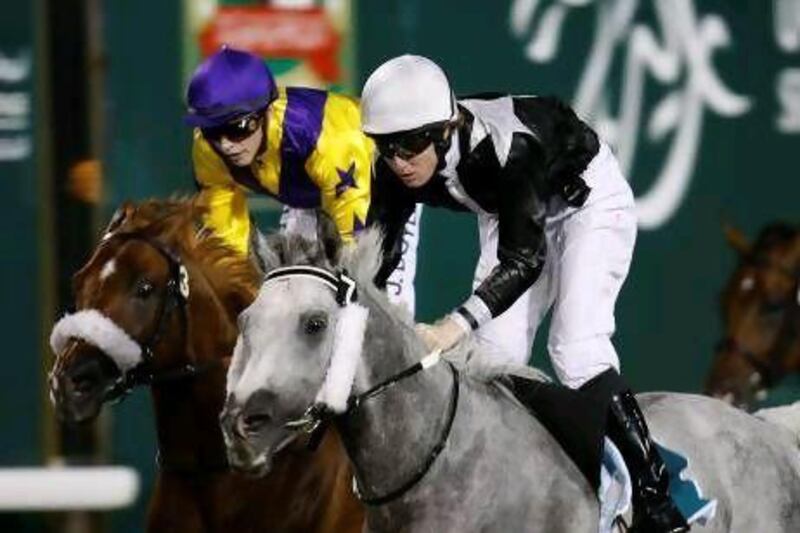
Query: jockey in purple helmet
point(301, 146)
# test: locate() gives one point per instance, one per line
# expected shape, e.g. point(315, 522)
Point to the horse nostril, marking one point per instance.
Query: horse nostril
point(88, 373)
point(255, 422)
point(85, 377)
point(84, 385)
point(84, 382)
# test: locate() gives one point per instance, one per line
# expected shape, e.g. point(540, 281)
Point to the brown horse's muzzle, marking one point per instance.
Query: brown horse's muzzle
point(80, 381)
point(735, 382)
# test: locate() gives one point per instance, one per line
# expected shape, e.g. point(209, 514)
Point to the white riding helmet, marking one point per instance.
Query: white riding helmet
point(406, 93)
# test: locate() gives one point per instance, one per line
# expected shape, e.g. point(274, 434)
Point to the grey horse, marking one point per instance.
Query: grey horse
point(445, 446)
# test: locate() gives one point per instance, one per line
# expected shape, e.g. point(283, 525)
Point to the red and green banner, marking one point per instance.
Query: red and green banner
point(303, 36)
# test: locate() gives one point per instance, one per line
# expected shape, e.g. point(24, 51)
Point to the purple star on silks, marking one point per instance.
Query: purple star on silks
point(357, 224)
point(347, 178)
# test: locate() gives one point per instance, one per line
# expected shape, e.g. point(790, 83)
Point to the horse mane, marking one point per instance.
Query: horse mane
point(178, 223)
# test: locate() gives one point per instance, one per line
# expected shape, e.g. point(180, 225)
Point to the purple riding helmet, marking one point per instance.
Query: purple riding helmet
point(229, 84)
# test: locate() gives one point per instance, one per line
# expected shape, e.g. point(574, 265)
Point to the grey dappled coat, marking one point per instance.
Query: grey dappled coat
point(500, 469)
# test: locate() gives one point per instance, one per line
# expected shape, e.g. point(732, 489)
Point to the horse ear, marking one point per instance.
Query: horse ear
point(328, 237)
point(736, 239)
point(364, 259)
point(119, 217)
point(268, 250)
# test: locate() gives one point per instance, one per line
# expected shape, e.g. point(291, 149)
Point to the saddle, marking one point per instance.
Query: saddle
point(576, 418)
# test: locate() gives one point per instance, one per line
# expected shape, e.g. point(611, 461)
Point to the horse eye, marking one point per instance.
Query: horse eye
point(315, 324)
point(144, 289)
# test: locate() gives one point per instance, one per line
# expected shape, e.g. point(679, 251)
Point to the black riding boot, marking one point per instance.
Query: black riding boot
point(653, 508)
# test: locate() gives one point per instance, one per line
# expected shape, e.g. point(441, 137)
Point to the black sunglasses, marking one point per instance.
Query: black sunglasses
point(236, 131)
point(406, 145)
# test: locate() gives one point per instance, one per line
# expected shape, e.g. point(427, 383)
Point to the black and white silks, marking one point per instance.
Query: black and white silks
point(510, 155)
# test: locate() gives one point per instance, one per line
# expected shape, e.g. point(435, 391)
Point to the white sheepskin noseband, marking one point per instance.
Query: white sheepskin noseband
point(92, 326)
point(347, 346)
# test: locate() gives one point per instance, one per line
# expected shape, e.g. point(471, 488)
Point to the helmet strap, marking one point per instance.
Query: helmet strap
point(442, 146)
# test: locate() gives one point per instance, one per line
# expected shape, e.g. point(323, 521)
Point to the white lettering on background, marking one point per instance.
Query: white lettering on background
point(677, 54)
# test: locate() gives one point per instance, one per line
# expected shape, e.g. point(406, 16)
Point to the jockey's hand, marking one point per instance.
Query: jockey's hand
point(443, 335)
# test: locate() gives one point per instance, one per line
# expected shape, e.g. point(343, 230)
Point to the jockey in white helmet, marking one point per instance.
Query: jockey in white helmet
point(557, 229)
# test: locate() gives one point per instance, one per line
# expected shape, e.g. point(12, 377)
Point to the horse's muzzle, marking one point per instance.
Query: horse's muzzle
point(78, 385)
point(247, 439)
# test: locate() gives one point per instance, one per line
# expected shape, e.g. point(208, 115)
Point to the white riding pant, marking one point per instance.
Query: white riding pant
point(400, 285)
point(589, 251)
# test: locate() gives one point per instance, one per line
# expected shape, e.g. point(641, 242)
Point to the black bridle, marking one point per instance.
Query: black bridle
point(175, 299)
point(317, 418)
point(423, 469)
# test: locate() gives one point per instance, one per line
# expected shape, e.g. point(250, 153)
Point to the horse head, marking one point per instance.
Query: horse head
point(760, 308)
point(300, 342)
point(145, 308)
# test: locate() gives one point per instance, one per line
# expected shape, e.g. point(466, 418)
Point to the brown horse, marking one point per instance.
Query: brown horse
point(157, 304)
point(761, 315)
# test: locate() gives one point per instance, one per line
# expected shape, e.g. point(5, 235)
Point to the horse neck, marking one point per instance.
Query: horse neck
point(189, 438)
point(187, 411)
point(389, 436)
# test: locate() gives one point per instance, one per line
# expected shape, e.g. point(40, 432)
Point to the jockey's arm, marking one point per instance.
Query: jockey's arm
point(226, 202)
point(341, 168)
point(227, 215)
point(521, 246)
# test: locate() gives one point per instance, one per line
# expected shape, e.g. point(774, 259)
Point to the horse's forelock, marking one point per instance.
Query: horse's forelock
point(176, 223)
point(361, 260)
point(276, 250)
